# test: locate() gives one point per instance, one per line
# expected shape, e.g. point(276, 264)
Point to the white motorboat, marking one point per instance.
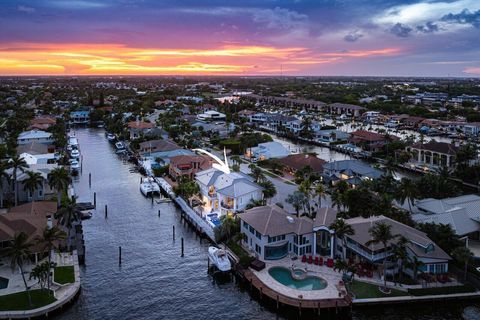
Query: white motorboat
point(119, 145)
point(110, 137)
point(75, 154)
point(149, 187)
point(219, 258)
point(74, 165)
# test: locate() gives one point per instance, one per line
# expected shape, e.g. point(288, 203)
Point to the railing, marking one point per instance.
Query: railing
point(366, 254)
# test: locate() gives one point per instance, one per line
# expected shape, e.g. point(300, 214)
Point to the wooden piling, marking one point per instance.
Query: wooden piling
point(95, 200)
point(106, 211)
point(119, 255)
point(90, 180)
point(182, 247)
point(159, 212)
point(173, 232)
point(141, 179)
point(278, 302)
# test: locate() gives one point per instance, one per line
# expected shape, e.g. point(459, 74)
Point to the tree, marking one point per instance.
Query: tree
point(297, 200)
point(19, 251)
point(67, 215)
point(441, 234)
point(33, 182)
point(342, 230)
point(415, 265)
point(407, 190)
point(320, 193)
point(236, 159)
point(227, 229)
point(50, 240)
point(269, 190)
point(41, 273)
point(382, 233)
point(400, 253)
point(4, 166)
point(463, 255)
point(59, 179)
point(17, 163)
point(256, 173)
point(306, 188)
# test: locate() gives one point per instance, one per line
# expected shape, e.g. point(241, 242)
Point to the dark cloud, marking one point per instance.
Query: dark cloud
point(353, 36)
point(401, 30)
point(429, 27)
point(464, 17)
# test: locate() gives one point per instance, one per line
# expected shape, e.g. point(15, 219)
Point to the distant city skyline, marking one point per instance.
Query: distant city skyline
point(222, 37)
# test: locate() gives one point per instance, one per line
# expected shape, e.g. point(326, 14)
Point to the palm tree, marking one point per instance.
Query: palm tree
point(306, 188)
point(59, 179)
point(19, 252)
point(33, 182)
point(382, 233)
point(320, 193)
point(342, 230)
point(235, 159)
point(50, 240)
point(67, 215)
point(17, 163)
point(463, 255)
point(3, 174)
point(269, 190)
point(415, 264)
point(407, 190)
point(256, 173)
point(297, 200)
point(400, 253)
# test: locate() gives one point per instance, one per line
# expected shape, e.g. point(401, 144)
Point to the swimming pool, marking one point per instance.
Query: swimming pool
point(309, 283)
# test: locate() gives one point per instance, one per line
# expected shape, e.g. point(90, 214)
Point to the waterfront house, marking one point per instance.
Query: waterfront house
point(331, 135)
point(296, 162)
point(43, 192)
point(80, 117)
point(188, 166)
point(42, 123)
point(412, 122)
point(461, 213)
point(271, 233)
point(351, 171)
point(31, 218)
point(278, 122)
point(472, 128)
point(434, 259)
point(433, 154)
point(37, 136)
point(370, 141)
point(224, 193)
point(159, 152)
point(139, 128)
point(349, 110)
point(267, 150)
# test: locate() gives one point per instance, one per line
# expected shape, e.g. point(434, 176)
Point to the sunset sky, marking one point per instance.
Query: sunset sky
point(243, 37)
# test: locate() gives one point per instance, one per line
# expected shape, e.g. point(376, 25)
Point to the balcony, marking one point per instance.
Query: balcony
point(228, 205)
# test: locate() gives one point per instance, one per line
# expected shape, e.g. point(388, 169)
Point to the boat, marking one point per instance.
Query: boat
point(149, 187)
point(75, 154)
point(74, 165)
point(120, 146)
point(110, 137)
point(219, 258)
point(86, 214)
point(163, 199)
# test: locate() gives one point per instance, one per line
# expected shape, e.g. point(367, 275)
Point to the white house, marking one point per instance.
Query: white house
point(225, 193)
point(271, 233)
point(211, 115)
point(267, 150)
point(38, 136)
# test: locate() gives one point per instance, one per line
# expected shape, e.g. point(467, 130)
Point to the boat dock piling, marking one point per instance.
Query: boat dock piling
point(173, 232)
point(95, 200)
point(120, 255)
point(90, 180)
point(182, 247)
point(106, 211)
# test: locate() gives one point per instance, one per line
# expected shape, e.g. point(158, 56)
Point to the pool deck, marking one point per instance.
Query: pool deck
point(333, 295)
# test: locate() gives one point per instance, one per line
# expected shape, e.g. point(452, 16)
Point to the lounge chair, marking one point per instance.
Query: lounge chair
point(304, 258)
point(310, 259)
point(316, 261)
point(321, 261)
point(330, 262)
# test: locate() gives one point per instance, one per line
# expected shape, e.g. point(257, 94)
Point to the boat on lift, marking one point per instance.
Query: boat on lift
point(219, 258)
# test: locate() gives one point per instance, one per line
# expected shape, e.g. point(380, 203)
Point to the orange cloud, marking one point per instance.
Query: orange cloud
point(99, 59)
point(472, 70)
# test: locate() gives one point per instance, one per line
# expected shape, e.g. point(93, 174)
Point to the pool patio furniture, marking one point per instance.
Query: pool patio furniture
point(310, 259)
point(304, 258)
point(330, 262)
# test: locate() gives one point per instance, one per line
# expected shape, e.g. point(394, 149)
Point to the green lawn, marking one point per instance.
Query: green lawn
point(64, 275)
point(364, 290)
point(19, 300)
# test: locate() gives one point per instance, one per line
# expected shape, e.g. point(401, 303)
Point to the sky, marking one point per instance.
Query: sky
point(242, 37)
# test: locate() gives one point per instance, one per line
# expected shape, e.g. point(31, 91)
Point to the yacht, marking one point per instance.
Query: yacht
point(75, 154)
point(110, 137)
point(74, 165)
point(219, 258)
point(149, 187)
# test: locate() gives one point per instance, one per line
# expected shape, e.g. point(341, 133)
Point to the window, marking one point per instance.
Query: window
point(251, 229)
point(258, 249)
point(258, 235)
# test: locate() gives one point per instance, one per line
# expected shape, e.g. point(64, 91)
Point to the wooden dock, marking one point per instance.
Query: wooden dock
point(336, 304)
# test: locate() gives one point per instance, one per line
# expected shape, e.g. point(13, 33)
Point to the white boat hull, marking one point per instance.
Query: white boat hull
point(219, 258)
point(149, 187)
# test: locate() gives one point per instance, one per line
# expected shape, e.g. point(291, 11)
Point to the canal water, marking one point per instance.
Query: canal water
point(154, 282)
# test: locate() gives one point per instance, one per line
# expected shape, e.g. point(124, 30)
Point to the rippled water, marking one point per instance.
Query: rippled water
point(154, 282)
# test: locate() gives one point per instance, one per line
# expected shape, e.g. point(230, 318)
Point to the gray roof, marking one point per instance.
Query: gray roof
point(418, 241)
point(272, 221)
point(233, 184)
point(355, 166)
point(32, 148)
point(461, 213)
point(325, 217)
